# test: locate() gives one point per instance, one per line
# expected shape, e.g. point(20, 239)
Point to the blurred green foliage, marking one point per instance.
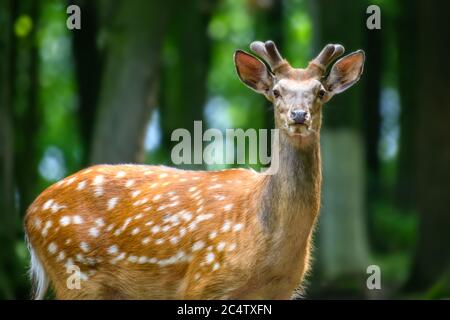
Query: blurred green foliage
point(229, 105)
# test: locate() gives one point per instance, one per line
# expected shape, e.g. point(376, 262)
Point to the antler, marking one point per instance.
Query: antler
point(269, 52)
point(325, 57)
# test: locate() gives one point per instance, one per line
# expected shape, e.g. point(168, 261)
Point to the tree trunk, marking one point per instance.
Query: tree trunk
point(185, 75)
point(88, 68)
point(129, 81)
point(406, 181)
point(432, 260)
point(372, 120)
point(27, 111)
point(343, 251)
point(8, 217)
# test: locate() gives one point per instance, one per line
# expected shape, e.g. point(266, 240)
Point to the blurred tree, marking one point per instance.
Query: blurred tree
point(432, 262)
point(373, 45)
point(128, 93)
point(27, 113)
point(269, 26)
point(7, 210)
point(88, 67)
point(406, 182)
point(342, 237)
point(187, 62)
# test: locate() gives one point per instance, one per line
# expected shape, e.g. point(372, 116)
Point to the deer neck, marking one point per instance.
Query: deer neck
point(291, 196)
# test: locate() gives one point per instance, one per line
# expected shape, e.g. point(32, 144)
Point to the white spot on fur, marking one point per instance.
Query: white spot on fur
point(94, 232)
point(99, 222)
point(37, 223)
point(210, 258)
point(52, 247)
point(112, 203)
point(156, 229)
point(129, 183)
point(64, 221)
point(157, 197)
point(213, 234)
point(228, 207)
point(198, 245)
point(56, 207)
point(47, 226)
point(135, 231)
point(146, 240)
point(135, 193)
point(113, 250)
point(77, 219)
point(203, 217)
point(142, 259)
point(192, 226)
point(84, 246)
point(118, 258)
point(81, 185)
point(180, 256)
point(186, 216)
point(47, 204)
point(221, 246)
point(216, 266)
point(120, 174)
point(226, 226)
point(133, 259)
point(163, 175)
point(61, 256)
point(140, 202)
point(98, 180)
point(70, 181)
point(232, 247)
point(69, 263)
point(237, 227)
point(98, 191)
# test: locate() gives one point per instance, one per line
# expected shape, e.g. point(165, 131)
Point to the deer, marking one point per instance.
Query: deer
point(133, 231)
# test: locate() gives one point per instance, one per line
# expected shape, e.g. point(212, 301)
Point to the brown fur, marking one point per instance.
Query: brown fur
point(263, 223)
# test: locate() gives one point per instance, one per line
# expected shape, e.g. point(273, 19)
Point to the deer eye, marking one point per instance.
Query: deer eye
point(321, 93)
point(276, 93)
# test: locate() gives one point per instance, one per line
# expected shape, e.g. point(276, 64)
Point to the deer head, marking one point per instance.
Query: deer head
point(298, 94)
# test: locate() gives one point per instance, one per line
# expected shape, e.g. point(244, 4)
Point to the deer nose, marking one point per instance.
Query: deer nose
point(299, 116)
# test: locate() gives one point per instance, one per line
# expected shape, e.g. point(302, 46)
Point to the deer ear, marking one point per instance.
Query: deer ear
point(253, 72)
point(345, 72)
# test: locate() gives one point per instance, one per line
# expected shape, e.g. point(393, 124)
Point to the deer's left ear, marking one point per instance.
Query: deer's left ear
point(345, 72)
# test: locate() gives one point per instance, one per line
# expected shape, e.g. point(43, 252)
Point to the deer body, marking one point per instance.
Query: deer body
point(153, 232)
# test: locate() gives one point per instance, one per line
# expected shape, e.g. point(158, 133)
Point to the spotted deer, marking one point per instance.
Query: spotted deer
point(154, 232)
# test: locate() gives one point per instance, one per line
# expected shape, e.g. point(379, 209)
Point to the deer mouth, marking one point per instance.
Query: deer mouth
point(301, 130)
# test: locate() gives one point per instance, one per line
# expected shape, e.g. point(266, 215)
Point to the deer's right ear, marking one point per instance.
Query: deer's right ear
point(253, 72)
